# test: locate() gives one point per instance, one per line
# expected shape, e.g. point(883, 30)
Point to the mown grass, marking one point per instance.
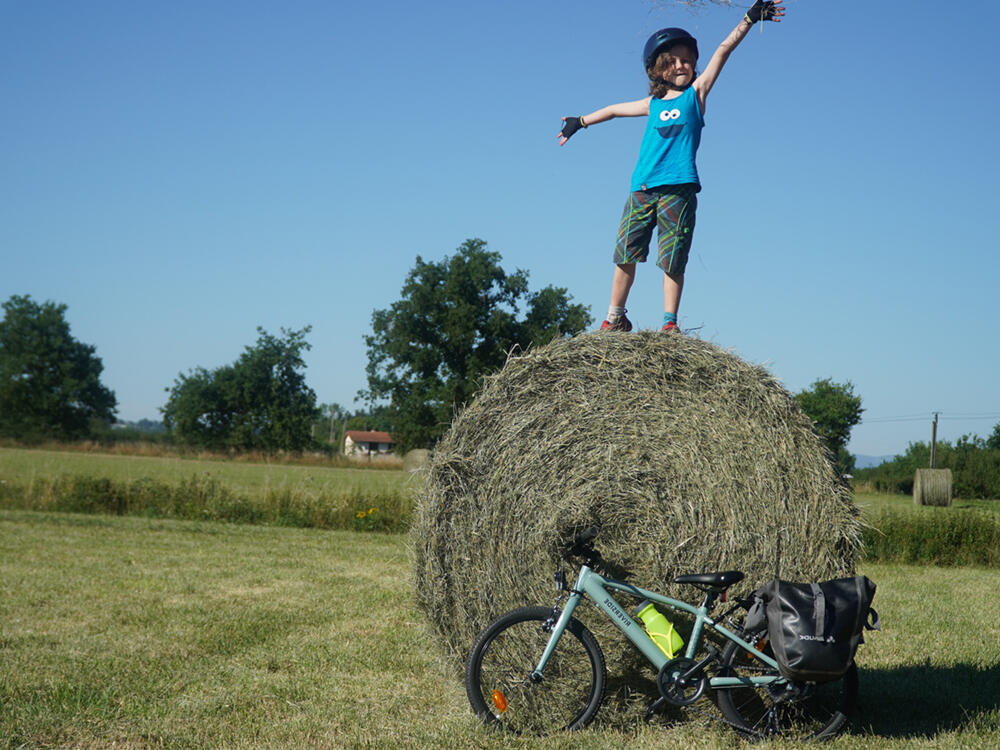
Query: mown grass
point(250, 479)
point(149, 633)
point(165, 449)
point(875, 501)
point(279, 494)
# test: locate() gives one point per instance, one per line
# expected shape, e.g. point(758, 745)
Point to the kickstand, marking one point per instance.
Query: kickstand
point(654, 707)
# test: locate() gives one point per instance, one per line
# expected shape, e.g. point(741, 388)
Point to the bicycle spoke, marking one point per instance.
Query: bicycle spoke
point(770, 710)
point(499, 675)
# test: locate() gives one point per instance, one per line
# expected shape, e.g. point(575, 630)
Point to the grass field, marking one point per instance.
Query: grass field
point(253, 480)
point(249, 479)
point(170, 487)
point(869, 501)
point(148, 633)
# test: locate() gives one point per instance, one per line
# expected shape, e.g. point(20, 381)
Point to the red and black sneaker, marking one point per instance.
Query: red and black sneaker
point(671, 326)
point(623, 324)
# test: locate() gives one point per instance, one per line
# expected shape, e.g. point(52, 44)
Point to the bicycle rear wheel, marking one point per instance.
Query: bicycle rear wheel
point(810, 711)
point(498, 674)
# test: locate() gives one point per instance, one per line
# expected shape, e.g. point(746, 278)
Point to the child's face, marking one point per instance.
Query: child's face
point(679, 68)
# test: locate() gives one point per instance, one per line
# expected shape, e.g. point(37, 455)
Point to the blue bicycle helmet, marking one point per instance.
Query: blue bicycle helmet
point(666, 38)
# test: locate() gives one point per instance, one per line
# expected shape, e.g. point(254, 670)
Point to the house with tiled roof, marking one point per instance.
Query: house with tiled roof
point(368, 443)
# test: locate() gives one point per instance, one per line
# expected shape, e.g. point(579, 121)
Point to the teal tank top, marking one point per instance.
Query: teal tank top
point(670, 143)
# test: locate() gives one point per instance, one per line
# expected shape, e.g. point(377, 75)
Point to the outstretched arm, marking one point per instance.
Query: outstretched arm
point(762, 10)
point(638, 108)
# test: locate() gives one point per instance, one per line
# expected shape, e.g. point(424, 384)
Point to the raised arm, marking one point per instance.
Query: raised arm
point(762, 10)
point(638, 108)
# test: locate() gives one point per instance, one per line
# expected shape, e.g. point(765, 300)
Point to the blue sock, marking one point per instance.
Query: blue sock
point(669, 317)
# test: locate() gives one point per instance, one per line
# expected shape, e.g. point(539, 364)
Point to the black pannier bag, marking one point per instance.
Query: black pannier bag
point(814, 629)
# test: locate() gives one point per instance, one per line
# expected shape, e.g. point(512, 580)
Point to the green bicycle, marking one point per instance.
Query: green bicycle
point(539, 669)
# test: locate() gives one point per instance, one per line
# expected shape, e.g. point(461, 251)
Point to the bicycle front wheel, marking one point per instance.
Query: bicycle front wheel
point(808, 711)
point(498, 674)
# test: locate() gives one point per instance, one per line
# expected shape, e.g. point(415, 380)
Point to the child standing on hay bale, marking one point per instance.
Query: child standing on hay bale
point(665, 182)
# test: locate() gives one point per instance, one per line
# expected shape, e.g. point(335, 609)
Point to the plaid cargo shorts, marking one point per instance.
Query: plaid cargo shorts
point(670, 208)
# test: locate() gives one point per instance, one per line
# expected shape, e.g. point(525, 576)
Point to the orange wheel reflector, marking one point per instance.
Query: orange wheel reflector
point(759, 645)
point(500, 701)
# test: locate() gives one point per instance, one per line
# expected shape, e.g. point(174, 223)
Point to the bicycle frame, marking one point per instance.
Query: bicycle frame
point(599, 587)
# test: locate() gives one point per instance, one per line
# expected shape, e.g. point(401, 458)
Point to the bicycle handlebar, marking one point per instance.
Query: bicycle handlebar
point(585, 537)
point(581, 545)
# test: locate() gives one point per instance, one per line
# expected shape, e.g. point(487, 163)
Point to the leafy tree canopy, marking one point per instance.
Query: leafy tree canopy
point(375, 419)
point(456, 321)
point(334, 420)
point(974, 462)
point(50, 383)
point(834, 410)
point(993, 441)
point(260, 402)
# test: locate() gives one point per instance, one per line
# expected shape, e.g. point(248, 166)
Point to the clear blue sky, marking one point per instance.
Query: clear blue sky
point(178, 173)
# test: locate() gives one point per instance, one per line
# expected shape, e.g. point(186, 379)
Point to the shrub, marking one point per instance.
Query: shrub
point(934, 536)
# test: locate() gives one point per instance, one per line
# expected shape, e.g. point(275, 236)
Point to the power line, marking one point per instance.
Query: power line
point(921, 418)
point(970, 416)
point(929, 415)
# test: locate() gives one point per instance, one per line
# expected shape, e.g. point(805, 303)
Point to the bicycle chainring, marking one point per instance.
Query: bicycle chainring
point(678, 689)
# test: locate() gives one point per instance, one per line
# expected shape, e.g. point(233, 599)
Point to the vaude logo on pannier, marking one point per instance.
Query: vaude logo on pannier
point(815, 628)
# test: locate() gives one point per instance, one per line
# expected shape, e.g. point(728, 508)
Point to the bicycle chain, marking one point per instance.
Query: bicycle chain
point(718, 716)
point(562, 594)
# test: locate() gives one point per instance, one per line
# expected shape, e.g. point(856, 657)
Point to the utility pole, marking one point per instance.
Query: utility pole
point(934, 438)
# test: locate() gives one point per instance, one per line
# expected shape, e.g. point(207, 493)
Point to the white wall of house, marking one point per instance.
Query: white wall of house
point(365, 448)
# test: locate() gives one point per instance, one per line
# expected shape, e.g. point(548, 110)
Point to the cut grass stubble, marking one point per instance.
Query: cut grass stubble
point(161, 633)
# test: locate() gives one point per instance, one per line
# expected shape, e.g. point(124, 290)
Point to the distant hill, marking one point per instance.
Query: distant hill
point(867, 462)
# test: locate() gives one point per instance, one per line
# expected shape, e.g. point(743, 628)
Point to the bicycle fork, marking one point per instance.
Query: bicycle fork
point(556, 632)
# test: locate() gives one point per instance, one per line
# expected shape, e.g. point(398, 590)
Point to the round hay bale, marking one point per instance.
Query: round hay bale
point(687, 457)
point(932, 487)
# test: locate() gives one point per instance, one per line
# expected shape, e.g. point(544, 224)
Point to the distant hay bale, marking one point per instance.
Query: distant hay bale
point(416, 460)
point(687, 457)
point(932, 487)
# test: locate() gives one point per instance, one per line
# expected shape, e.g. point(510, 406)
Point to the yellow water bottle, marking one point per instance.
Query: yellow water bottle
point(660, 629)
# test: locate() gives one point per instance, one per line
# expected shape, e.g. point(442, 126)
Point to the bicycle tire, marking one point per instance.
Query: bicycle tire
point(819, 713)
point(504, 656)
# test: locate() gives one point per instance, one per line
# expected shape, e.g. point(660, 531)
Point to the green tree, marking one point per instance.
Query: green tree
point(374, 419)
point(260, 402)
point(993, 441)
point(50, 383)
point(975, 467)
point(456, 322)
point(834, 409)
point(328, 423)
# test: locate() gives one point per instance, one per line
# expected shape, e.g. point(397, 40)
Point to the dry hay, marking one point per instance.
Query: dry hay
point(688, 458)
point(932, 487)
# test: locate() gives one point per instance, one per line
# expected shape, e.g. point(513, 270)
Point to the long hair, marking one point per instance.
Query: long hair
point(658, 88)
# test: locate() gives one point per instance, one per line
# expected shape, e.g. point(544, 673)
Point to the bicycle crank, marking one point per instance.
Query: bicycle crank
point(681, 681)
